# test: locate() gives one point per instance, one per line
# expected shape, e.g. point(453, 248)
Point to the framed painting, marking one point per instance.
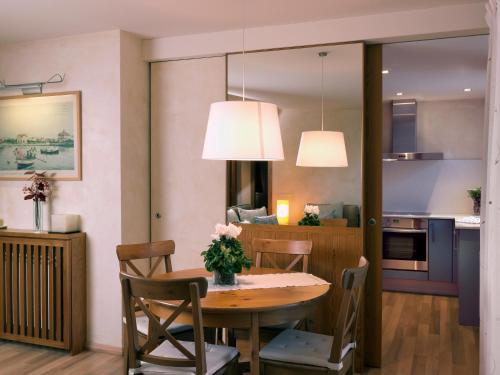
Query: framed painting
point(42, 133)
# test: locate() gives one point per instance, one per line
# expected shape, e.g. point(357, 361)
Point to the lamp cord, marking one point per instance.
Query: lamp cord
point(243, 35)
point(243, 44)
point(322, 91)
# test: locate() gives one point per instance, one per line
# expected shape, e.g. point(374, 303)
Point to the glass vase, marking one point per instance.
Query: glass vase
point(224, 278)
point(37, 215)
point(477, 207)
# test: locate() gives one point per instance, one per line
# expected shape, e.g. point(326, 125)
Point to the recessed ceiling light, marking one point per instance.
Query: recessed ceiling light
point(399, 94)
point(467, 90)
point(385, 71)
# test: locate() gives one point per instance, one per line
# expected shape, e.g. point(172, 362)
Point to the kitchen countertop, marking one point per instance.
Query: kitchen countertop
point(459, 218)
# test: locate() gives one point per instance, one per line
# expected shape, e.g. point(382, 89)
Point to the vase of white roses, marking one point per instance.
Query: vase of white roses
point(311, 216)
point(225, 256)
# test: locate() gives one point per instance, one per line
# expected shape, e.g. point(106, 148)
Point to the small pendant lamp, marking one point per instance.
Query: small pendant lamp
point(243, 130)
point(322, 148)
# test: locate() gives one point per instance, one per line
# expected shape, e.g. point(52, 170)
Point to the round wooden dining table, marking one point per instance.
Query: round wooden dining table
point(247, 309)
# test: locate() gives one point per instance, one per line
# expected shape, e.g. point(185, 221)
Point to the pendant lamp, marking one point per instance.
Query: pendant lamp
point(243, 130)
point(322, 148)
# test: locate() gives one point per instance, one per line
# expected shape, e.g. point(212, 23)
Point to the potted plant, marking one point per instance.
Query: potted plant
point(475, 194)
point(225, 255)
point(311, 216)
point(38, 191)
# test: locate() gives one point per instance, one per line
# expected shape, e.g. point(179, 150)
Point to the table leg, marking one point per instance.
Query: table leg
point(255, 345)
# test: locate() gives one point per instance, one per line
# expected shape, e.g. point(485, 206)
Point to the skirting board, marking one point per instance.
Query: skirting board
point(93, 347)
point(420, 287)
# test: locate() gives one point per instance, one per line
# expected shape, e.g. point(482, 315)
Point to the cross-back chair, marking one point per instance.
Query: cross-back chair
point(162, 352)
point(161, 250)
point(299, 352)
point(299, 249)
point(156, 253)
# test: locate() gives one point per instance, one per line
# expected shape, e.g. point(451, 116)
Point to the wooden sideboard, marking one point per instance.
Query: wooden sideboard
point(334, 248)
point(43, 288)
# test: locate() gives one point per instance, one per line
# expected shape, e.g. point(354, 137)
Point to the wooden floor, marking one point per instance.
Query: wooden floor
point(23, 359)
point(421, 336)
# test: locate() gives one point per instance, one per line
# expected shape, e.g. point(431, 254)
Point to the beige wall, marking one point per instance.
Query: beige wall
point(454, 127)
point(188, 192)
point(92, 64)
point(301, 185)
point(134, 101)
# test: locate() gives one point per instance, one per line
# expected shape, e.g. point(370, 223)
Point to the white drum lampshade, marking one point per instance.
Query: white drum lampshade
point(243, 130)
point(322, 149)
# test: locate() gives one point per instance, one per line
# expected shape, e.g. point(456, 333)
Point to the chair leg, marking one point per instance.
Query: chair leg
point(231, 337)
point(234, 366)
point(125, 362)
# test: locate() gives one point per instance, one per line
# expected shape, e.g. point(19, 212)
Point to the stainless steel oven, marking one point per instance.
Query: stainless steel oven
point(405, 244)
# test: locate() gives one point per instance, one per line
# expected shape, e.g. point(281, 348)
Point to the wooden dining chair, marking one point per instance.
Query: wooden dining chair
point(300, 250)
point(162, 352)
point(155, 253)
point(151, 255)
point(299, 352)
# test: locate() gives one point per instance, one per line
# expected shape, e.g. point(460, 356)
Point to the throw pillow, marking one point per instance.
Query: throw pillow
point(330, 211)
point(232, 216)
point(271, 219)
point(250, 215)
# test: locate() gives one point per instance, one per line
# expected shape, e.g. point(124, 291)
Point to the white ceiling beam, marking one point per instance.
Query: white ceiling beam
point(458, 20)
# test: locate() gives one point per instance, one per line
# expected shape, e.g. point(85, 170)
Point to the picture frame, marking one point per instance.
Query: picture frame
point(41, 132)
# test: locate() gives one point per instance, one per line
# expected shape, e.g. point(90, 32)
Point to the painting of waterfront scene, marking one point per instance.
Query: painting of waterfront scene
point(40, 133)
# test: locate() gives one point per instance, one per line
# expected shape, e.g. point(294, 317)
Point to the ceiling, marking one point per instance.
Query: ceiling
point(22, 20)
point(426, 70)
point(292, 77)
point(436, 69)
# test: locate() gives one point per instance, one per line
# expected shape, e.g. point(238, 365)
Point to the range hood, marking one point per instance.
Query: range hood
point(404, 134)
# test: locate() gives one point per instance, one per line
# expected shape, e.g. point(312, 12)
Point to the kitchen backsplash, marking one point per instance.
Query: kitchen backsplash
point(430, 186)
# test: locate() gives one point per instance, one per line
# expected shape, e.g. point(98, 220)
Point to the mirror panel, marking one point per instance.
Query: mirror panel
point(292, 79)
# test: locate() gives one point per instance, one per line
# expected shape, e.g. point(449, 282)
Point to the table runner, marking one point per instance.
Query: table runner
point(266, 281)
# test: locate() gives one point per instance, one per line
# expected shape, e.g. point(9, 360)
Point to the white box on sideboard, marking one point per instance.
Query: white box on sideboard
point(64, 223)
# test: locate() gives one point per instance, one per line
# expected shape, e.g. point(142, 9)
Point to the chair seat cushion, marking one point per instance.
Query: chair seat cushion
point(217, 357)
point(305, 348)
point(142, 323)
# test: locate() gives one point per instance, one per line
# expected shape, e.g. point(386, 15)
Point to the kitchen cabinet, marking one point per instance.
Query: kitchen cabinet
point(440, 247)
point(467, 243)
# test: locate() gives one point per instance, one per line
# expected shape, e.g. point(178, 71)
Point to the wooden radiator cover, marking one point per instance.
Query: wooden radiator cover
point(42, 289)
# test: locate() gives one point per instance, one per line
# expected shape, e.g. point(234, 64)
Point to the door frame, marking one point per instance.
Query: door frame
point(372, 201)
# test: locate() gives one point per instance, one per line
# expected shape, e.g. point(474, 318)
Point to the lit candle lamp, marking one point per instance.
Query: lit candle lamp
point(282, 211)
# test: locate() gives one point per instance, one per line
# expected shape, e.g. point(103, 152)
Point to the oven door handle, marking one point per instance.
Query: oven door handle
point(401, 230)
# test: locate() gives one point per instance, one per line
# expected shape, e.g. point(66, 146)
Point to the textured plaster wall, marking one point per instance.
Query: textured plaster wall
point(187, 191)
point(92, 64)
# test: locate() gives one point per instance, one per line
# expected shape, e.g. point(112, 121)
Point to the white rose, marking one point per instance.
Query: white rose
point(311, 210)
point(233, 231)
